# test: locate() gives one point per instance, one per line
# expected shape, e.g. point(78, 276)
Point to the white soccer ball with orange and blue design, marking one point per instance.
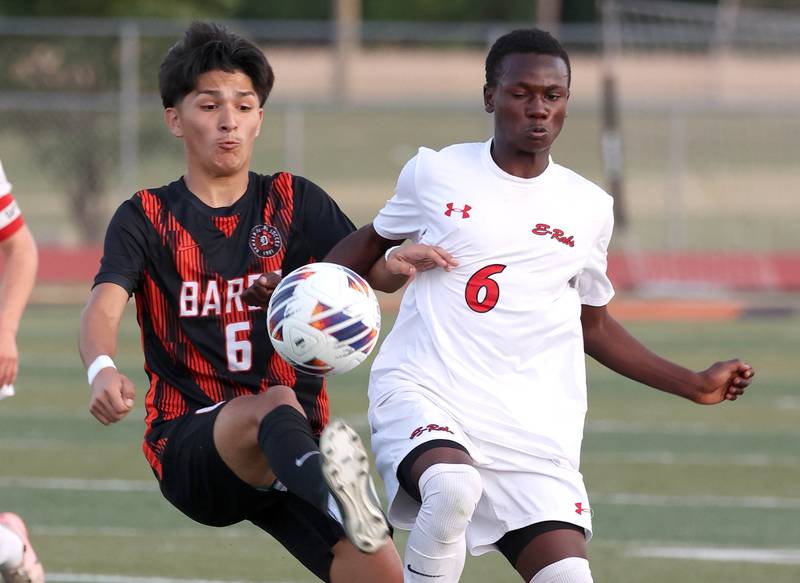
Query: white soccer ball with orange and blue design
point(323, 319)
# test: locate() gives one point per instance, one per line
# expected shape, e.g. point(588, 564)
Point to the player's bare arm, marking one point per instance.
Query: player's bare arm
point(113, 393)
point(607, 341)
point(20, 255)
point(360, 250)
point(363, 251)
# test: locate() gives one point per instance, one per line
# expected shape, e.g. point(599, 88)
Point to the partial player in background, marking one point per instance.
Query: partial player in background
point(232, 429)
point(18, 561)
point(478, 394)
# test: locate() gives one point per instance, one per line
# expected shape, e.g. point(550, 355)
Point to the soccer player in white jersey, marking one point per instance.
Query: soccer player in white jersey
point(18, 561)
point(478, 395)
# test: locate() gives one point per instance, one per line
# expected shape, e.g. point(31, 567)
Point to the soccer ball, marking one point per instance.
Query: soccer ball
point(323, 319)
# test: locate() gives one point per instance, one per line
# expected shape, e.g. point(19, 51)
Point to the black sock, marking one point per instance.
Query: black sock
point(286, 440)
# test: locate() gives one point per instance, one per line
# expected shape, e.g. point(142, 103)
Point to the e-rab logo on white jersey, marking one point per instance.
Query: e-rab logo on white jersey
point(430, 428)
point(265, 240)
point(559, 235)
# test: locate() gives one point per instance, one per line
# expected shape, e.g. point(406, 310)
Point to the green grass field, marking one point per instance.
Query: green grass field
point(667, 478)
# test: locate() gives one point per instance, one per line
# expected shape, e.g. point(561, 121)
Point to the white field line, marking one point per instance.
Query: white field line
point(231, 532)
point(667, 458)
point(788, 403)
point(359, 422)
point(78, 484)
point(664, 458)
point(736, 502)
point(48, 444)
point(619, 499)
point(644, 428)
point(94, 578)
point(59, 413)
point(735, 555)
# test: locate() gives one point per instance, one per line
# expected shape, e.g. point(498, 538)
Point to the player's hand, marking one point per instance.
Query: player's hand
point(409, 259)
point(9, 358)
point(113, 396)
point(259, 293)
point(724, 381)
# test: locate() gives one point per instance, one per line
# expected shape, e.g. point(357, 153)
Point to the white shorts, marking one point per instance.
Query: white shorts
point(546, 490)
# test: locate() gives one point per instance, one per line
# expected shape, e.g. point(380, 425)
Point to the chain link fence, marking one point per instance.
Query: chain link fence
point(707, 99)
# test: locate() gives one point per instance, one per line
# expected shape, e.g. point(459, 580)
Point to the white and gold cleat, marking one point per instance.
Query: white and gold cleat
point(345, 466)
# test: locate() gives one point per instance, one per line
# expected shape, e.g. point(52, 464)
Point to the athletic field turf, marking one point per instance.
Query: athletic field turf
point(680, 492)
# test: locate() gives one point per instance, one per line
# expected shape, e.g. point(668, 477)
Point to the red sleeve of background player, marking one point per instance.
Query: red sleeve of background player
point(11, 219)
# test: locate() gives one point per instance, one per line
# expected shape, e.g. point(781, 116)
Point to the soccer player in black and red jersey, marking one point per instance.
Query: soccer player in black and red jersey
point(231, 428)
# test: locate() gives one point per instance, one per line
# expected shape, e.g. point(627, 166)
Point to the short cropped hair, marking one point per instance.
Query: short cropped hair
point(530, 40)
point(209, 47)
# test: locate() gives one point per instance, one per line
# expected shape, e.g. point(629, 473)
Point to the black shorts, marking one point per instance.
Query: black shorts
point(198, 483)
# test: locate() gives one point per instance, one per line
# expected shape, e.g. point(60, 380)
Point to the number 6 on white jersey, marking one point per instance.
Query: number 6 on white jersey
point(481, 280)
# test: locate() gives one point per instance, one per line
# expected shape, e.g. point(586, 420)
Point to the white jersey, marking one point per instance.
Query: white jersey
point(10, 216)
point(5, 185)
point(497, 341)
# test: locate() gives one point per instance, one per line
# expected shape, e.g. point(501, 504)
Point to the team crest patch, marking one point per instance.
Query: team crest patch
point(265, 240)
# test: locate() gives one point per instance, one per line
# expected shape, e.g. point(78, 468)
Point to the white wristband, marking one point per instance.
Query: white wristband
point(98, 364)
point(389, 251)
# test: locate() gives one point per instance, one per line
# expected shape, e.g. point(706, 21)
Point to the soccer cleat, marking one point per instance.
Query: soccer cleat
point(346, 469)
point(30, 570)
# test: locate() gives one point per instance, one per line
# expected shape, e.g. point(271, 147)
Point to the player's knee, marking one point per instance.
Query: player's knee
point(262, 404)
point(278, 395)
point(243, 416)
point(450, 494)
point(569, 570)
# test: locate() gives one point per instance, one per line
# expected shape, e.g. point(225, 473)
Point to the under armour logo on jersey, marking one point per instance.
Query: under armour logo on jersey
point(451, 209)
point(579, 509)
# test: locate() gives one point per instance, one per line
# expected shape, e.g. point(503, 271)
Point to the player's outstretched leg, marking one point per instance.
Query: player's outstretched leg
point(345, 466)
point(25, 566)
point(267, 436)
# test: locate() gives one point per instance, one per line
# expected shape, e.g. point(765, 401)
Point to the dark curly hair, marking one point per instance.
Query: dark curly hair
point(530, 40)
point(209, 47)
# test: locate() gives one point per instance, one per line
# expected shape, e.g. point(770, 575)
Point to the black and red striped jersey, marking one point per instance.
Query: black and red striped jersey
point(187, 265)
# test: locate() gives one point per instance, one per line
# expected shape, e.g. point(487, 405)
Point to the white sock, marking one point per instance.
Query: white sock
point(436, 547)
point(569, 570)
point(445, 562)
point(11, 549)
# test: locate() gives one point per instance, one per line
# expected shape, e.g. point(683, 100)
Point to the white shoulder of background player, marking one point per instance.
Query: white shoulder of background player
point(5, 185)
